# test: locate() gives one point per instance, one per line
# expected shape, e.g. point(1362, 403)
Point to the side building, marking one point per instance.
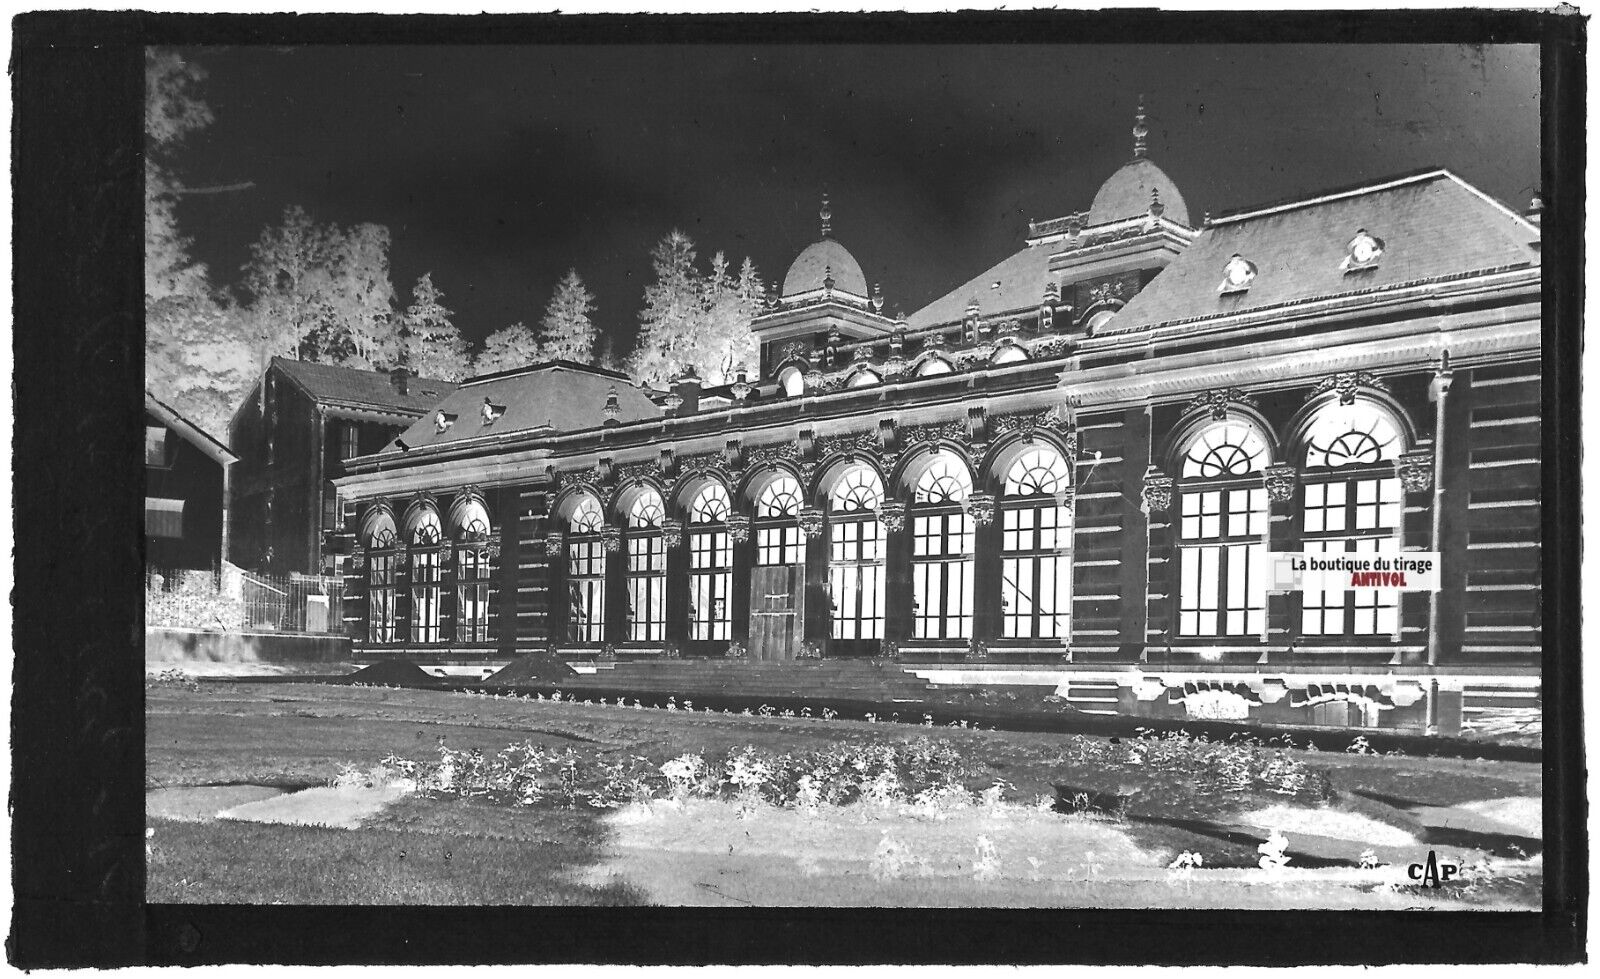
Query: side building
point(293, 432)
point(1071, 470)
point(186, 477)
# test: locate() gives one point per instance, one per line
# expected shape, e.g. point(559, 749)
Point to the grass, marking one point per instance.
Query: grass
point(297, 735)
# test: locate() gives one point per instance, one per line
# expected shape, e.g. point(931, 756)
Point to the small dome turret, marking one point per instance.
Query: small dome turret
point(822, 260)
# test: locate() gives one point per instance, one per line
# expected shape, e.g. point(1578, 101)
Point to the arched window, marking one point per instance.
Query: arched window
point(941, 550)
point(777, 523)
point(1036, 547)
point(469, 526)
point(934, 365)
point(863, 379)
point(710, 564)
point(1009, 354)
point(1351, 503)
point(586, 571)
point(424, 535)
point(1222, 533)
point(378, 537)
point(855, 555)
point(793, 381)
point(647, 568)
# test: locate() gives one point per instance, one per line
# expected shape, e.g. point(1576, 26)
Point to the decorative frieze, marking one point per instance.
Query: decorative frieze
point(648, 469)
point(589, 479)
point(1280, 480)
point(954, 431)
point(1157, 491)
point(1220, 401)
point(1415, 469)
point(1347, 383)
point(867, 442)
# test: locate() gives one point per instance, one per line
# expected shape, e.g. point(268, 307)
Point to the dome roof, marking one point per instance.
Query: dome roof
point(819, 260)
point(1127, 194)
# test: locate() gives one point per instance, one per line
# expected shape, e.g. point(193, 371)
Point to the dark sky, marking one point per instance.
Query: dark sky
point(497, 168)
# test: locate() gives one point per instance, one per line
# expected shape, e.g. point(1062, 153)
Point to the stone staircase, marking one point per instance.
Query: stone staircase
point(842, 679)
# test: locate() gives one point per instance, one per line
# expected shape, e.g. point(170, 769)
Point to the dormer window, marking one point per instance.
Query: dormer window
point(1237, 275)
point(491, 412)
point(442, 421)
point(1362, 252)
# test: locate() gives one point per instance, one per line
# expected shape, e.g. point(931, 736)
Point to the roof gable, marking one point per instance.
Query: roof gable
point(1432, 225)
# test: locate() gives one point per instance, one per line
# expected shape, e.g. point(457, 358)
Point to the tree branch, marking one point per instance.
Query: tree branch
point(183, 191)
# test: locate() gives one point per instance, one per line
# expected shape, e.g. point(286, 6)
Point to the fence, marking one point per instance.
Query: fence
point(234, 600)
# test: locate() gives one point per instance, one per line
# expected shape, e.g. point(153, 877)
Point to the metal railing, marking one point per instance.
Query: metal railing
point(233, 600)
point(293, 602)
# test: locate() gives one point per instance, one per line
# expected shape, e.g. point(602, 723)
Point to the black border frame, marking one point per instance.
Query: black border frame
point(78, 695)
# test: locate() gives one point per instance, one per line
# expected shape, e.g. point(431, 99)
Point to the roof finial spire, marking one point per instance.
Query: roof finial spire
point(827, 217)
point(1140, 130)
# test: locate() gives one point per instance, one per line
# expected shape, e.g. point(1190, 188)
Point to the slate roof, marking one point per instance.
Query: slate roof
point(1432, 224)
point(1021, 278)
point(569, 397)
point(327, 382)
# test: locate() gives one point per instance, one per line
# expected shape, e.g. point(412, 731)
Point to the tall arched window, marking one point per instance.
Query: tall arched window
point(941, 550)
point(1035, 547)
point(710, 564)
point(469, 526)
point(855, 555)
point(777, 526)
point(424, 536)
point(647, 569)
point(1352, 503)
point(1222, 533)
point(586, 571)
point(378, 537)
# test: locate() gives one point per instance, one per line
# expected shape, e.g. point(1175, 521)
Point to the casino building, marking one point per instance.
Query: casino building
point(1070, 470)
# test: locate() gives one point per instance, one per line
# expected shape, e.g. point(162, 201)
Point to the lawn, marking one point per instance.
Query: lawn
point(1159, 799)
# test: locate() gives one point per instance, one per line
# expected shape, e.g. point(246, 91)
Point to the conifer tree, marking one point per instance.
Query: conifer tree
point(431, 344)
point(567, 332)
point(669, 323)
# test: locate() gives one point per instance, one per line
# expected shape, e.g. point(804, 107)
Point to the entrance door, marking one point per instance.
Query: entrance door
point(777, 611)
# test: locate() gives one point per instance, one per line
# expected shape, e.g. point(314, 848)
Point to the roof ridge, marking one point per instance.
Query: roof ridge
point(1340, 193)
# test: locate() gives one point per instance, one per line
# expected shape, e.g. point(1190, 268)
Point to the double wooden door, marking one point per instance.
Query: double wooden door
point(777, 612)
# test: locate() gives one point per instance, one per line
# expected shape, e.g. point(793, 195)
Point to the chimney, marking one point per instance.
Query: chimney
point(687, 387)
point(397, 377)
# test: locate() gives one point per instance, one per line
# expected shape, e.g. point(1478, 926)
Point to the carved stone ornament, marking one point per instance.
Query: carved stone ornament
point(892, 514)
point(1347, 383)
point(867, 442)
point(891, 650)
point(1416, 471)
point(811, 521)
point(1157, 491)
point(791, 350)
point(358, 559)
point(673, 401)
point(649, 469)
point(611, 537)
point(955, 431)
point(737, 650)
point(608, 653)
point(589, 478)
point(1219, 401)
point(552, 543)
point(672, 532)
point(810, 649)
point(739, 527)
point(981, 506)
point(1280, 479)
point(977, 651)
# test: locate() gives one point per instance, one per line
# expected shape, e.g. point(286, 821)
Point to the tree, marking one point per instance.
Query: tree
point(696, 321)
point(172, 109)
point(567, 332)
point(508, 348)
point(201, 357)
point(431, 344)
point(669, 322)
point(323, 294)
